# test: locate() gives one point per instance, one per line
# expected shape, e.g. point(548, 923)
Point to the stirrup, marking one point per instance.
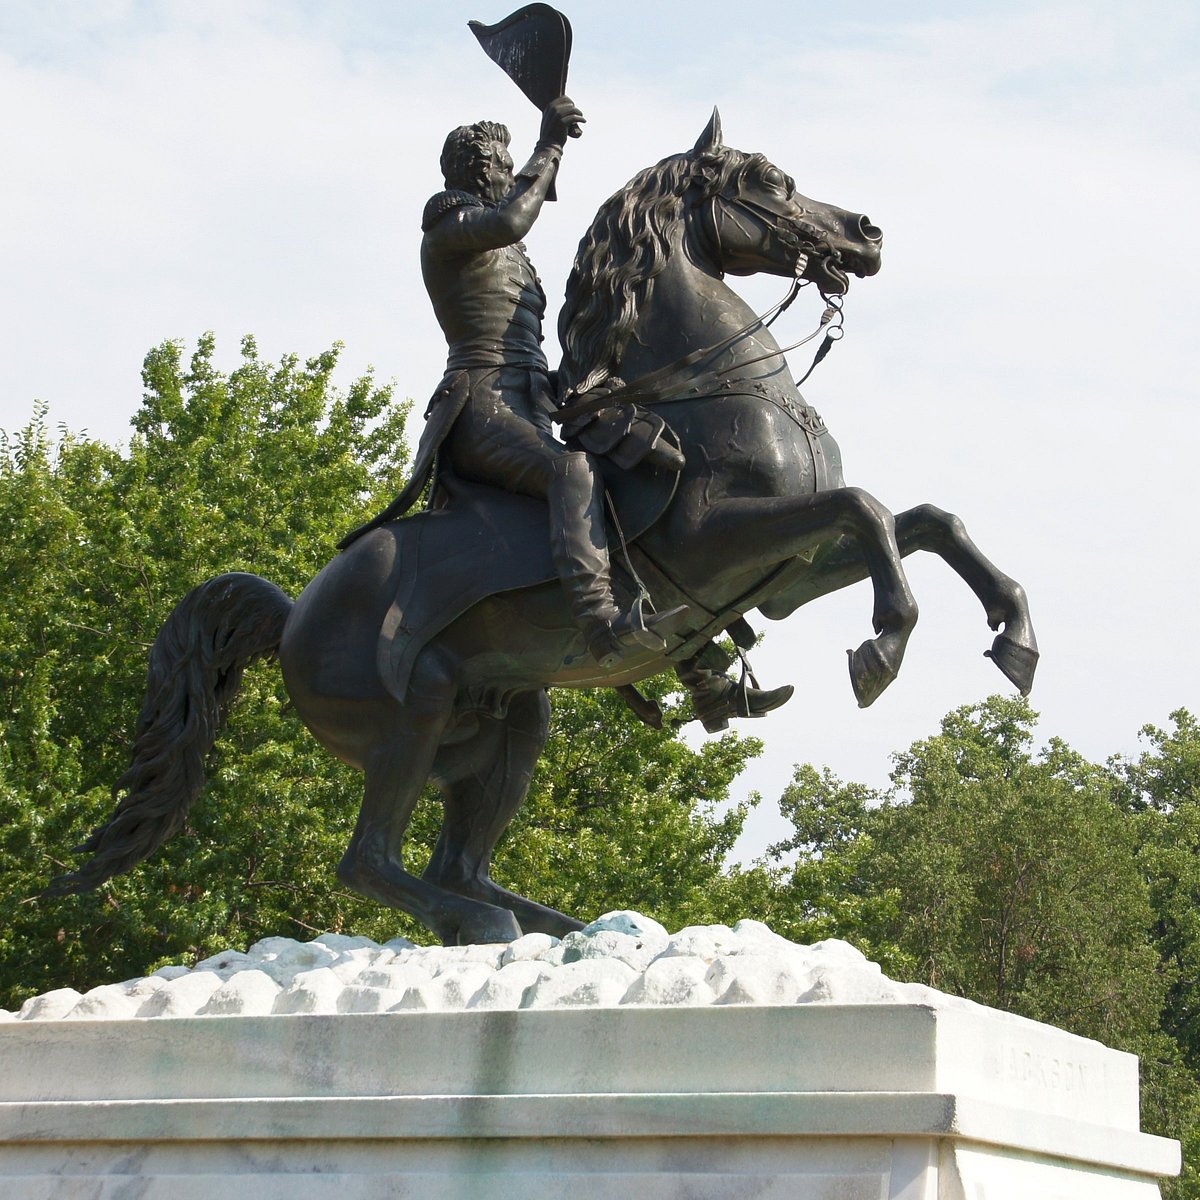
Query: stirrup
point(739, 700)
point(631, 633)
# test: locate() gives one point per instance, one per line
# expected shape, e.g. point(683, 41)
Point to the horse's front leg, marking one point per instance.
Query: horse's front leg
point(926, 527)
point(740, 530)
point(1014, 649)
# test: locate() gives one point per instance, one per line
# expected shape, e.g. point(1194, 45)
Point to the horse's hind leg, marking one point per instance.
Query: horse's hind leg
point(396, 771)
point(484, 783)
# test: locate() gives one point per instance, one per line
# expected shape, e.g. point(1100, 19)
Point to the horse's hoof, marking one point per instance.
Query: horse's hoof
point(1016, 661)
point(870, 673)
point(549, 921)
point(494, 925)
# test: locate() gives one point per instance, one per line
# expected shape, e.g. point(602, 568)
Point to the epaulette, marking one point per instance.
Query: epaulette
point(445, 202)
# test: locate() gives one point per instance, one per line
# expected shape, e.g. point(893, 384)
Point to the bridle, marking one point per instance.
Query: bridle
point(667, 384)
point(662, 386)
point(796, 234)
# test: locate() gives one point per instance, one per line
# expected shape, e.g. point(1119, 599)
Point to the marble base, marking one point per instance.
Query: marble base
point(808, 1102)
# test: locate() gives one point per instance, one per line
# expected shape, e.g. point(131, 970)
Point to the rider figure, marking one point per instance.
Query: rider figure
point(489, 420)
point(489, 303)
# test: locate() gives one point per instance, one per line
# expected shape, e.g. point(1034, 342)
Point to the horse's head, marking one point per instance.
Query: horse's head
point(753, 220)
point(731, 212)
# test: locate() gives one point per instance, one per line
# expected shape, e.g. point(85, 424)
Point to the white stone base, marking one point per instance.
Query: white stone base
point(652, 1169)
point(805, 1102)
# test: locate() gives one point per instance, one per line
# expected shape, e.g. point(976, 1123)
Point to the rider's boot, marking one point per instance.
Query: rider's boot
point(716, 697)
point(579, 544)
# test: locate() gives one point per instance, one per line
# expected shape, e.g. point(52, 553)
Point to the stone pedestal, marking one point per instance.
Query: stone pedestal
point(886, 1101)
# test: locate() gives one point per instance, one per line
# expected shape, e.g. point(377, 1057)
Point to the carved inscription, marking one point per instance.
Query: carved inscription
point(1044, 1070)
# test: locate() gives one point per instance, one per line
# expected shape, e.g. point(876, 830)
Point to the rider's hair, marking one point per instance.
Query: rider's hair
point(467, 153)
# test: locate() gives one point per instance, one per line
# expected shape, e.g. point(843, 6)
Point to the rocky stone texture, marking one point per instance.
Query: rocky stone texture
point(622, 959)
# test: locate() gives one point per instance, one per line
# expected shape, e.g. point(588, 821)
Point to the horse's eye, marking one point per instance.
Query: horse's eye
point(775, 178)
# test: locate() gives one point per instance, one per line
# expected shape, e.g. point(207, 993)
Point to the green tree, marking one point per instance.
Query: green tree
point(1019, 877)
point(1020, 880)
point(1161, 791)
point(828, 890)
point(990, 872)
point(260, 469)
point(251, 470)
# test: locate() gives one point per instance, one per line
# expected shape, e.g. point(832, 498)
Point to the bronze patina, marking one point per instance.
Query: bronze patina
point(694, 486)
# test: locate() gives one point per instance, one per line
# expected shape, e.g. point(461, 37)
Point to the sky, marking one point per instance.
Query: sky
point(1026, 358)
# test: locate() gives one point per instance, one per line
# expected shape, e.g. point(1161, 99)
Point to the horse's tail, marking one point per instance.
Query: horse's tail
point(196, 666)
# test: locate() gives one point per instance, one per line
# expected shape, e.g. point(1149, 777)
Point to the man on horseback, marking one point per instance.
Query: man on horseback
point(489, 420)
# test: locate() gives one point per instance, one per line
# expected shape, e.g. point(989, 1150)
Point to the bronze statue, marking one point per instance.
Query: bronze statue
point(423, 652)
point(490, 417)
point(489, 421)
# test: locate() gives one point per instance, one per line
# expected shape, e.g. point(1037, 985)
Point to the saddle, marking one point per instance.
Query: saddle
point(481, 541)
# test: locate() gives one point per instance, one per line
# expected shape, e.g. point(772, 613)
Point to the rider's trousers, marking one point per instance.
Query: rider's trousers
point(502, 437)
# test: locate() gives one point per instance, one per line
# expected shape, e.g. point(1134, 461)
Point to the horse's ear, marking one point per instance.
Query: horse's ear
point(710, 140)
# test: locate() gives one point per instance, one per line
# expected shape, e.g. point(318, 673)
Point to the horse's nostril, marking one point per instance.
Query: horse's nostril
point(871, 232)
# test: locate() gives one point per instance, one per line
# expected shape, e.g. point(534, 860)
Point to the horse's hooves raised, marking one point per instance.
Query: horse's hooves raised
point(870, 673)
point(1016, 661)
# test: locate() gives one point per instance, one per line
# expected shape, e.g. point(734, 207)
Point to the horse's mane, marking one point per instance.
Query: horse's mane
point(625, 248)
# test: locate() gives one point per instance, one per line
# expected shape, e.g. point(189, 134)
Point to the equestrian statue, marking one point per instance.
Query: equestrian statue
point(586, 527)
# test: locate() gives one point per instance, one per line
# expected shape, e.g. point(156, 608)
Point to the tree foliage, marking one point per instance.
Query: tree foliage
point(1038, 883)
point(261, 469)
point(1160, 789)
point(987, 871)
point(1162, 794)
point(1020, 884)
point(250, 470)
point(1033, 881)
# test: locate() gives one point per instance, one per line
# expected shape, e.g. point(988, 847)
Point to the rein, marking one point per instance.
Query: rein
point(659, 386)
point(833, 312)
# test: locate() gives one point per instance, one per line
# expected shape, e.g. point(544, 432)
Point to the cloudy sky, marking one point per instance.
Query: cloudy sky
point(1027, 357)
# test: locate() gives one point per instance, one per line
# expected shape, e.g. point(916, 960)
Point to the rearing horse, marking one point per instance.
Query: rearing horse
point(424, 651)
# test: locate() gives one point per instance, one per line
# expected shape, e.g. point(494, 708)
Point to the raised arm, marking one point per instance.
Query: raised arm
point(520, 198)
